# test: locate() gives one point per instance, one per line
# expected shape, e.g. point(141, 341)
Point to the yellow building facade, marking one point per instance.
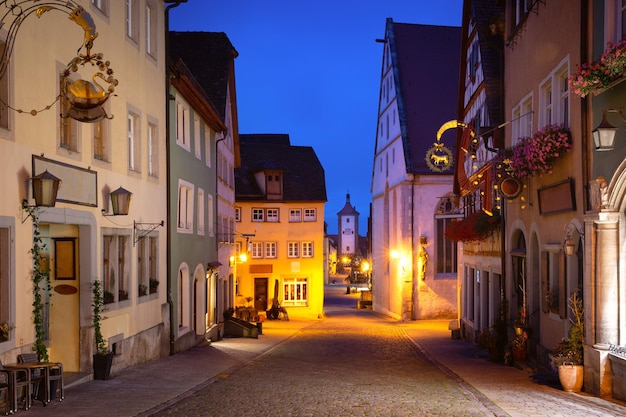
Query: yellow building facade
point(280, 197)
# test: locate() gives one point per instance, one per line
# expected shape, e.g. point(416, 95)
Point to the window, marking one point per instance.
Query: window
point(68, 136)
point(310, 215)
point(147, 278)
point(307, 249)
point(151, 30)
point(257, 215)
point(185, 207)
point(295, 215)
point(447, 211)
point(272, 215)
point(115, 268)
point(99, 146)
point(201, 211)
point(237, 214)
point(182, 126)
point(132, 19)
point(153, 150)
point(522, 8)
point(102, 5)
point(293, 250)
point(614, 21)
point(295, 291)
point(196, 138)
point(522, 120)
point(554, 98)
point(211, 211)
point(270, 250)
point(207, 146)
point(133, 143)
point(4, 95)
point(231, 229)
point(256, 249)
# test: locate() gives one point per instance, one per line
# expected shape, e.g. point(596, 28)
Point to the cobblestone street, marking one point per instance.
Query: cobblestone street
point(353, 364)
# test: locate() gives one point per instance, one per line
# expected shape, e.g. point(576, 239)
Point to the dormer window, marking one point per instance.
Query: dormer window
point(274, 185)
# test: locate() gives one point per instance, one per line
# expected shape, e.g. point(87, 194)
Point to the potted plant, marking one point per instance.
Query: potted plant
point(535, 156)
point(5, 328)
point(154, 285)
point(567, 357)
point(473, 228)
point(103, 358)
point(143, 290)
point(594, 77)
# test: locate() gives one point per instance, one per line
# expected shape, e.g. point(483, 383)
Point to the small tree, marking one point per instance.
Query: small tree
point(98, 309)
point(41, 283)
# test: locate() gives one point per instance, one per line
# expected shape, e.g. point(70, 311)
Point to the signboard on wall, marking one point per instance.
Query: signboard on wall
point(78, 185)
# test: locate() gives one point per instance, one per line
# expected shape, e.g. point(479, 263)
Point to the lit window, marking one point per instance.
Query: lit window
point(295, 291)
point(307, 249)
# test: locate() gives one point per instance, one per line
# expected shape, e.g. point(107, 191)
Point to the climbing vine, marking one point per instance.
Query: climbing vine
point(41, 283)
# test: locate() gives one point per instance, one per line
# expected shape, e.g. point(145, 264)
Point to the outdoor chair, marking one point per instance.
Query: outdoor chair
point(4, 388)
point(16, 379)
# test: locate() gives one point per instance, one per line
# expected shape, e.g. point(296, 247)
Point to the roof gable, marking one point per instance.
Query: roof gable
point(303, 175)
point(425, 61)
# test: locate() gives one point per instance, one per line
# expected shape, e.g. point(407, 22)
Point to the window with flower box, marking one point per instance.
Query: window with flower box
point(115, 265)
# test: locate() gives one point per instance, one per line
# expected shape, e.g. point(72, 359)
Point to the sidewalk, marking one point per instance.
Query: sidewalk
point(505, 390)
point(144, 389)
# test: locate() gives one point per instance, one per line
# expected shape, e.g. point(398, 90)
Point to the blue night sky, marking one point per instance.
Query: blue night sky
point(312, 70)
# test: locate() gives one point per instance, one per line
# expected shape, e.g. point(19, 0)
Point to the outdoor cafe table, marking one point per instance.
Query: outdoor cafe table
point(32, 366)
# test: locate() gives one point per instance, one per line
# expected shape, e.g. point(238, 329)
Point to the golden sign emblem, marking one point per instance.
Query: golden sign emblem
point(439, 158)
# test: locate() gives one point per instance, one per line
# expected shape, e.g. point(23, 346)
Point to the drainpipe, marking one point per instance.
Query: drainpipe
point(413, 251)
point(173, 4)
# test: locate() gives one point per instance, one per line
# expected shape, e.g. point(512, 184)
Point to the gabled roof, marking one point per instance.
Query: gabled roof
point(348, 209)
point(425, 62)
point(303, 175)
point(209, 56)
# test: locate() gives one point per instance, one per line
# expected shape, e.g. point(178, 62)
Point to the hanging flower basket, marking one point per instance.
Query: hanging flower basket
point(594, 77)
point(536, 156)
point(473, 228)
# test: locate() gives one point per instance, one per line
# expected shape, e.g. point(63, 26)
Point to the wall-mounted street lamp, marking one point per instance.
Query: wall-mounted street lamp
point(120, 205)
point(120, 202)
point(604, 134)
point(569, 245)
point(45, 189)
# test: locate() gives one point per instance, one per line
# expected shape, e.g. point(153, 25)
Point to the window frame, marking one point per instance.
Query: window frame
point(184, 223)
point(272, 215)
point(309, 215)
point(295, 215)
point(271, 251)
point(258, 214)
point(307, 249)
point(132, 20)
point(293, 250)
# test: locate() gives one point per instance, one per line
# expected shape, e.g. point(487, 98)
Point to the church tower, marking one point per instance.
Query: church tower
point(348, 235)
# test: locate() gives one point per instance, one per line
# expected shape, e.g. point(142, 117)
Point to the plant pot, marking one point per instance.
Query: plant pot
point(571, 377)
point(102, 366)
point(520, 354)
